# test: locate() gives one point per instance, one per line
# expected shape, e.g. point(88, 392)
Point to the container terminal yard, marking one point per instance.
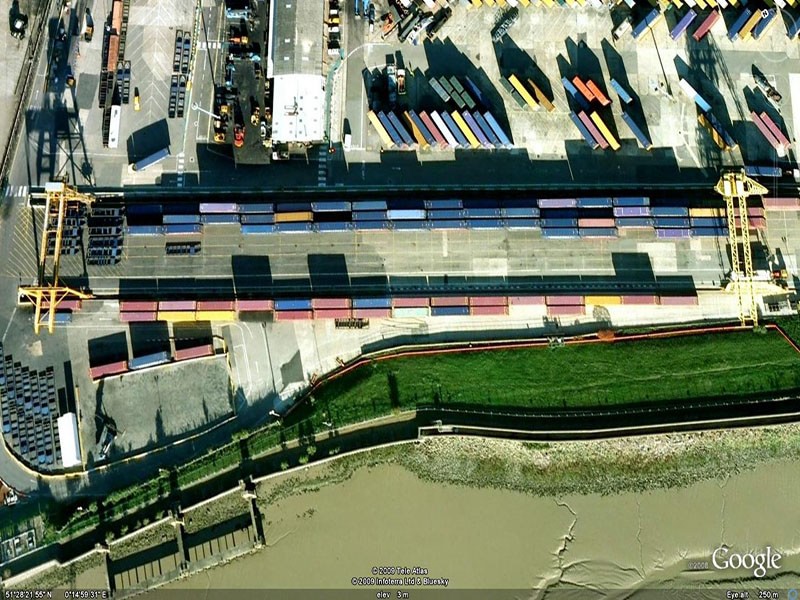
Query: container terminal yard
point(208, 206)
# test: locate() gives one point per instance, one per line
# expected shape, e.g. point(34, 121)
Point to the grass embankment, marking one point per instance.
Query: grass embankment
point(573, 376)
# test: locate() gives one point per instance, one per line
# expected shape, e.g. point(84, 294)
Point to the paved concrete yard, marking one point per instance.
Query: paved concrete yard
point(158, 406)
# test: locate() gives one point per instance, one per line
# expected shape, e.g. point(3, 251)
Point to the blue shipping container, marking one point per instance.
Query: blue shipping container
point(149, 360)
point(293, 207)
point(560, 213)
point(180, 219)
point(733, 32)
point(560, 232)
point(671, 222)
point(634, 222)
point(765, 22)
point(384, 302)
point(517, 212)
point(682, 25)
point(334, 226)
point(637, 132)
point(708, 222)
point(487, 130)
point(449, 311)
point(369, 205)
point(669, 211)
point(446, 214)
point(371, 225)
point(501, 135)
point(729, 141)
point(709, 232)
point(264, 207)
point(485, 223)
point(330, 206)
point(183, 229)
point(476, 92)
point(481, 213)
point(443, 204)
point(369, 215)
point(594, 202)
point(401, 129)
point(387, 124)
point(753, 171)
point(293, 304)
point(293, 227)
point(398, 214)
point(151, 160)
point(250, 229)
point(646, 23)
point(559, 223)
point(524, 224)
point(145, 230)
point(632, 201)
point(410, 225)
point(673, 233)
point(258, 219)
point(621, 92)
point(455, 130)
point(451, 224)
point(220, 219)
point(598, 232)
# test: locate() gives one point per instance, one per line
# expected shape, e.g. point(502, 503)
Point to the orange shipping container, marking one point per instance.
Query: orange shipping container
point(113, 52)
point(294, 217)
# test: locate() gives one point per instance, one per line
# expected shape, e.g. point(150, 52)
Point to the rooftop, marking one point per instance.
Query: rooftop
point(295, 38)
point(298, 108)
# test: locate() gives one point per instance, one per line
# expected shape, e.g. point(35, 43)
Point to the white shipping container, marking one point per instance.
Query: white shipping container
point(113, 130)
point(406, 214)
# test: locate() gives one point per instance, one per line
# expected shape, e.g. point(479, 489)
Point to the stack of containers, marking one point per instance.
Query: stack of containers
point(445, 214)
point(632, 211)
point(219, 213)
point(407, 218)
point(216, 310)
point(332, 215)
point(257, 218)
point(756, 218)
point(332, 308)
point(559, 217)
point(404, 308)
point(369, 215)
point(488, 305)
point(449, 306)
point(521, 215)
point(558, 306)
point(483, 214)
point(365, 308)
point(177, 310)
point(597, 218)
point(708, 222)
point(135, 311)
point(293, 309)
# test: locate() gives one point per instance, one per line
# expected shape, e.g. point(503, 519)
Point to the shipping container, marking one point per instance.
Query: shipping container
point(332, 313)
point(587, 135)
point(599, 202)
point(595, 222)
point(334, 226)
point(776, 131)
point(293, 227)
point(612, 141)
point(331, 206)
point(673, 233)
point(489, 310)
point(400, 128)
point(384, 302)
point(405, 214)
point(416, 132)
point(135, 209)
point(583, 89)
point(603, 300)
point(318, 303)
point(706, 25)
point(708, 222)
point(263, 207)
point(558, 300)
point(439, 215)
point(138, 305)
point(558, 203)
point(180, 219)
point(647, 23)
point(411, 312)
point(149, 161)
point(396, 138)
point(293, 304)
point(738, 24)
point(573, 92)
point(387, 141)
point(430, 139)
point(781, 204)
point(707, 212)
point(747, 28)
point(485, 223)
point(216, 220)
point(177, 305)
point(262, 219)
point(444, 203)
point(694, 95)
point(410, 302)
point(404, 225)
point(215, 305)
point(449, 311)
point(631, 211)
point(759, 171)
point(520, 212)
point(637, 132)
point(371, 226)
point(709, 232)
point(369, 205)
point(254, 305)
point(559, 232)
point(683, 24)
point(476, 130)
point(678, 300)
point(526, 300)
point(488, 301)
point(115, 368)
point(767, 19)
point(634, 223)
point(215, 315)
point(256, 229)
point(476, 92)
point(565, 310)
point(149, 360)
point(669, 211)
point(196, 352)
point(523, 224)
point(593, 130)
point(440, 91)
point(449, 301)
point(523, 92)
point(294, 217)
point(455, 130)
point(505, 141)
point(481, 213)
point(640, 299)
point(372, 313)
point(488, 132)
point(369, 215)
point(631, 201)
point(671, 222)
point(218, 207)
point(601, 97)
point(288, 207)
point(444, 129)
point(138, 317)
point(768, 134)
point(621, 92)
point(113, 130)
point(434, 129)
point(468, 134)
point(294, 315)
point(144, 230)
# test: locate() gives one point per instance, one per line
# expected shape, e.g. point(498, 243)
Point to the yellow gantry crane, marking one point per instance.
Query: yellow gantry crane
point(47, 294)
point(735, 187)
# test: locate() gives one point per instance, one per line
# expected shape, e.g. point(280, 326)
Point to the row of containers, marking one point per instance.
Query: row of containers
point(594, 217)
point(292, 309)
point(149, 360)
point(751, 23)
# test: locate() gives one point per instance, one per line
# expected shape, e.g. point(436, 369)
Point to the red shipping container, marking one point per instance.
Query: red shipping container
point(109, 369)
point(332, 313)
point(598, 93)
point(410, 302)
point(780, 203)
point(330, 303)
point(597, 223)
point(293, 315)
point(640, 299)
point(488, 301)
point(138, 305)
point(215, 305)
point(564, 309)
point(758, 223)
point(376, 313)
point(587, 93)
point(137, 317)
point(678, 300)
point(64, 304)
point(488, 310)
point(254, 305)
point(196, 352)
point(449, 301)
point(564, 300)
point(177, 305)
point(526, 300)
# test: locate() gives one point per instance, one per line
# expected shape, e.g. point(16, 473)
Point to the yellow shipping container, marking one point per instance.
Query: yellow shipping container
point(294, 217)
point(176, 316)
point(603, 300)
point(706, 212)
point(215, 315)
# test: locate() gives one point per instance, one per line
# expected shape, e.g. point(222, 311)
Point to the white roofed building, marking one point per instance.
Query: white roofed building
point(69, 440)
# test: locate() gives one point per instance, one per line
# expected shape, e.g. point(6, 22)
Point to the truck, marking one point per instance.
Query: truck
point(150, 160)
point(391, 84)
point(401, 81)
point(88, 28)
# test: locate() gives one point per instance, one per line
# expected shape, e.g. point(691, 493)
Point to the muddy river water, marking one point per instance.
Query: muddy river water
point(385, 516)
